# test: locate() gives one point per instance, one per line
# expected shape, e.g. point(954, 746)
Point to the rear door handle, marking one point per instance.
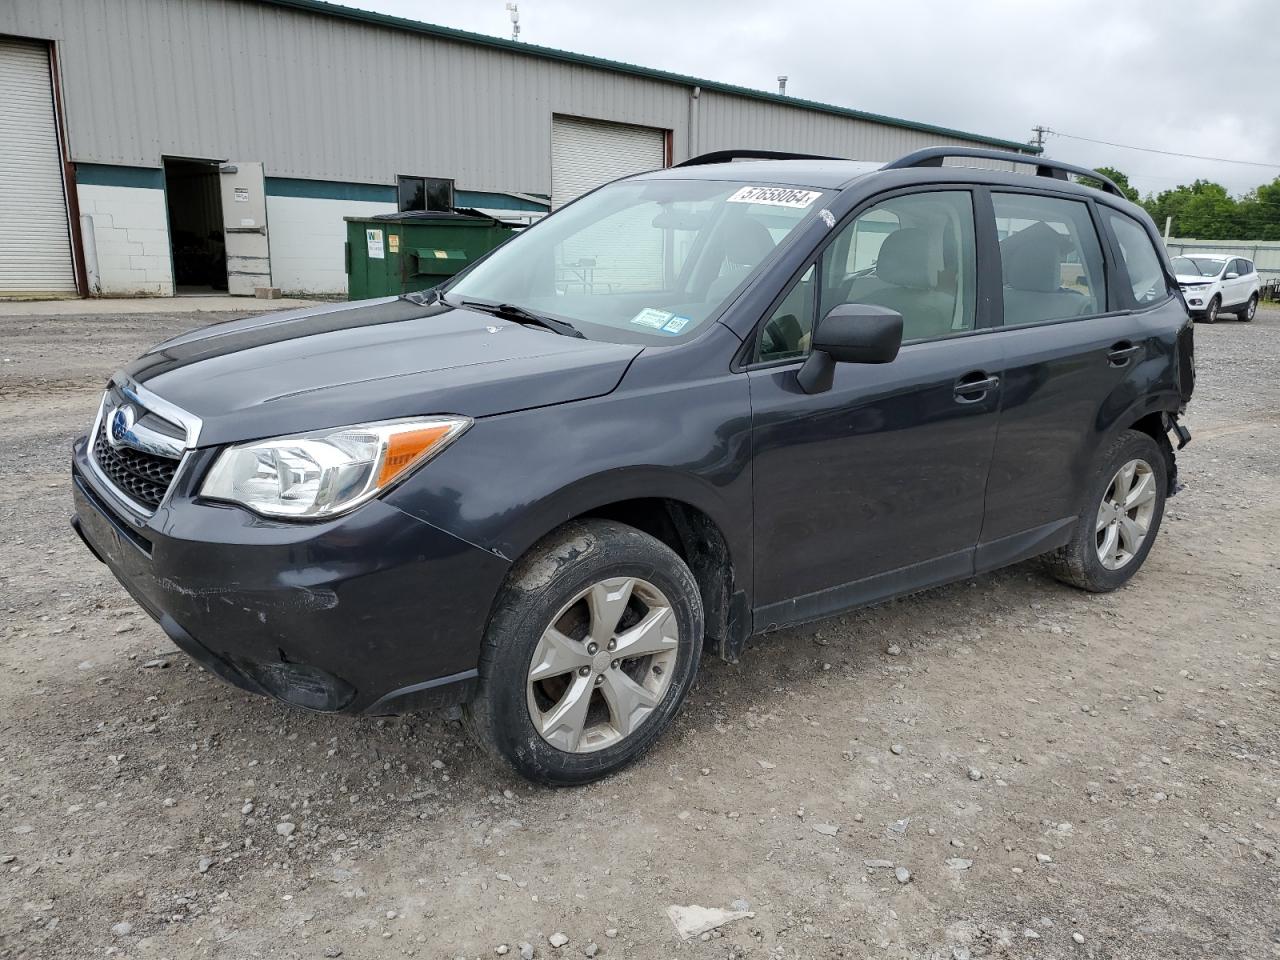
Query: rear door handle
point(974, 386)
point(1119, 354)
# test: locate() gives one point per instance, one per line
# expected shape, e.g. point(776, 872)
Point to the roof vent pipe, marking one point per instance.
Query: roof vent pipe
point(782, 85)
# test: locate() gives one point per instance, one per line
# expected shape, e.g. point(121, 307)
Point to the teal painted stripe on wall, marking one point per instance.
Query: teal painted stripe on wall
point(329, 190)
point(109, 175)
point(496, 201)
point(378, 193)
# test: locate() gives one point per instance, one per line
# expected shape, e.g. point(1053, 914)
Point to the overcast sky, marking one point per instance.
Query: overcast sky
point(1189, 77)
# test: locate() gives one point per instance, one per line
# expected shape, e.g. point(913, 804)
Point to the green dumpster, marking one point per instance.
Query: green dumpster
point(397, 253)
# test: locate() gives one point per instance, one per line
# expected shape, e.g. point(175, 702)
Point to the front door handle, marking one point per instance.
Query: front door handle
point(1119, 354)
point(974, 386)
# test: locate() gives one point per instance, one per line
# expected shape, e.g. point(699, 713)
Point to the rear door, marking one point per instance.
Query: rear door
point(244, 212)
point(1083, 338)
point(875, 486)
point(1066, 351)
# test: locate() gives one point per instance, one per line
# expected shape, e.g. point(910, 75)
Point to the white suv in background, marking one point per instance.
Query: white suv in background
point(1212, 285)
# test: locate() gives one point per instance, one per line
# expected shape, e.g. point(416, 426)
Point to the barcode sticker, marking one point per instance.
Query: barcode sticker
point(776, 196)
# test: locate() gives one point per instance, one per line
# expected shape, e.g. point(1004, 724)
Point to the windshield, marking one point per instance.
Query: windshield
point(643, 261)
point(1197, 266)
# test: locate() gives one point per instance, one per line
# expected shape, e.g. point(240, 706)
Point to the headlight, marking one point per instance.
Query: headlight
point(322, 474)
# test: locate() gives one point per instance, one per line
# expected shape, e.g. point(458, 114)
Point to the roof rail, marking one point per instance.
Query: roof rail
point(727, 156)
point(933, 157)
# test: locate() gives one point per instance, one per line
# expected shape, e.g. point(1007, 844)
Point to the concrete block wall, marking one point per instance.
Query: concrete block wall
point(131, 238)
point(308, 237)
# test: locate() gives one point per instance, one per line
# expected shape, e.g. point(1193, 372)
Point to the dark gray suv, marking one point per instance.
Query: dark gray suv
point(692, 407)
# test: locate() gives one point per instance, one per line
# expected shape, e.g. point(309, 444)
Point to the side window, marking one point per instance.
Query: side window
point(1050, 257)
point(1238, 268)
point(1146, 275)
point(1247, 267)
point(913, 254)
point(786, 334)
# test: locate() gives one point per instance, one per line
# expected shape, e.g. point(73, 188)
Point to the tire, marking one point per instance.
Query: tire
point(1211, 311)
point(1080, 562)
point(1247, 312)
point(572, 580)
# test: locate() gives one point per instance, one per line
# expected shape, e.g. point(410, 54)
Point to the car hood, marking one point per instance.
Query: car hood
point(1195, 278)
point(370, 360)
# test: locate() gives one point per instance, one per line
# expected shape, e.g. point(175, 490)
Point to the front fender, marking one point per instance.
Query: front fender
point(511, 479)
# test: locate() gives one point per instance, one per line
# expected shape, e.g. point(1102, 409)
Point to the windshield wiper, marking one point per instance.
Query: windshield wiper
point(509, 311)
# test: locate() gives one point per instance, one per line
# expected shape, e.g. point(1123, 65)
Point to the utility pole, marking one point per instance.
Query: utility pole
point(514, 10)
point(1038, 140)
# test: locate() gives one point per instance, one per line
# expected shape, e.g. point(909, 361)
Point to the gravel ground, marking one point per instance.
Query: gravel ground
point(1059, 775)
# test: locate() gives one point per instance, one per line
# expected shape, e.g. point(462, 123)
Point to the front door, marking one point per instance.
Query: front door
point(1236, 290)
point(875, 486)
point(244, 212)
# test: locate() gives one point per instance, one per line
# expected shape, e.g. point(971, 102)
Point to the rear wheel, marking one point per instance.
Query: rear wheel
point(592, 646)
point(1120, 519)
point(1211, 311)
point(1250, 309)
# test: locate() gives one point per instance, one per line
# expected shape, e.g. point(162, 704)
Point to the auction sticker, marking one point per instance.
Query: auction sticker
point(776, 196)
point(652, 317)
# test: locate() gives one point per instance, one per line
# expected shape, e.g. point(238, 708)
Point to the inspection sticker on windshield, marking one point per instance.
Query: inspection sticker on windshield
point(775, 196)
point(676, 324)
point(652, 317)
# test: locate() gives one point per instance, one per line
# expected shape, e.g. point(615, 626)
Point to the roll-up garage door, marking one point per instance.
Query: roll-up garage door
point(587, 153)
point(35, 246)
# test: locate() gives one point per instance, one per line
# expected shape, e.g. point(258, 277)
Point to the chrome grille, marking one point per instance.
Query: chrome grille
point(138, 453)
point(142, 477)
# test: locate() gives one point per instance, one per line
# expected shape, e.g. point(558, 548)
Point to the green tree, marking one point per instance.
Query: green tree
point(1204, 210)
point(1259, 212)
point(1121, 180)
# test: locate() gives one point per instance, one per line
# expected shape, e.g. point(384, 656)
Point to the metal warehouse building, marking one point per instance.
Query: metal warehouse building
point(166, 146)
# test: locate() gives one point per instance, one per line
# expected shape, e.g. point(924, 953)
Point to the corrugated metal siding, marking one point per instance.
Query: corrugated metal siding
point(725, 122)
point(321, 97)
point(35, 246)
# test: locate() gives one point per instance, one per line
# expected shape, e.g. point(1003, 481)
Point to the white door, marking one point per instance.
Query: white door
point(244, 215)
point(1240, 286)
point(588, 153)
point(35, 240)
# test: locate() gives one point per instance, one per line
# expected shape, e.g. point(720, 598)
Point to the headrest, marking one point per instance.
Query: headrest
point(1033, 259)
point(749, 243)
point(904, 259)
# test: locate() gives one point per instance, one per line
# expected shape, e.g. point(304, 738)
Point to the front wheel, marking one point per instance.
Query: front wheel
point(1211, 311)
point(592, 646)
point(1121, 516)
point(1250, 309)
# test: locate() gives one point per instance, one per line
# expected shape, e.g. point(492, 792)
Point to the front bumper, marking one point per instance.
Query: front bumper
point(374, 612)
point(1198, 300)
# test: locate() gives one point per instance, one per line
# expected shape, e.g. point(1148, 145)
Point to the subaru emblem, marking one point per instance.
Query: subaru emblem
point(122, 420)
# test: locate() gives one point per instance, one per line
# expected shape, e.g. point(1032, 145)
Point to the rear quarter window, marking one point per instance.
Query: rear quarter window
point(1141, 261)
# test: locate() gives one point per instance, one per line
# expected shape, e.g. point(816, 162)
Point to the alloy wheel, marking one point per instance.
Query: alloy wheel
point(1124, 516)
point(1251, 309)
point(603, 665)
point(1212, 313)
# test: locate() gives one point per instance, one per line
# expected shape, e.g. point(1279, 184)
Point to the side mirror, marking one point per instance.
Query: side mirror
point(850, 333)
point(1232, 276)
